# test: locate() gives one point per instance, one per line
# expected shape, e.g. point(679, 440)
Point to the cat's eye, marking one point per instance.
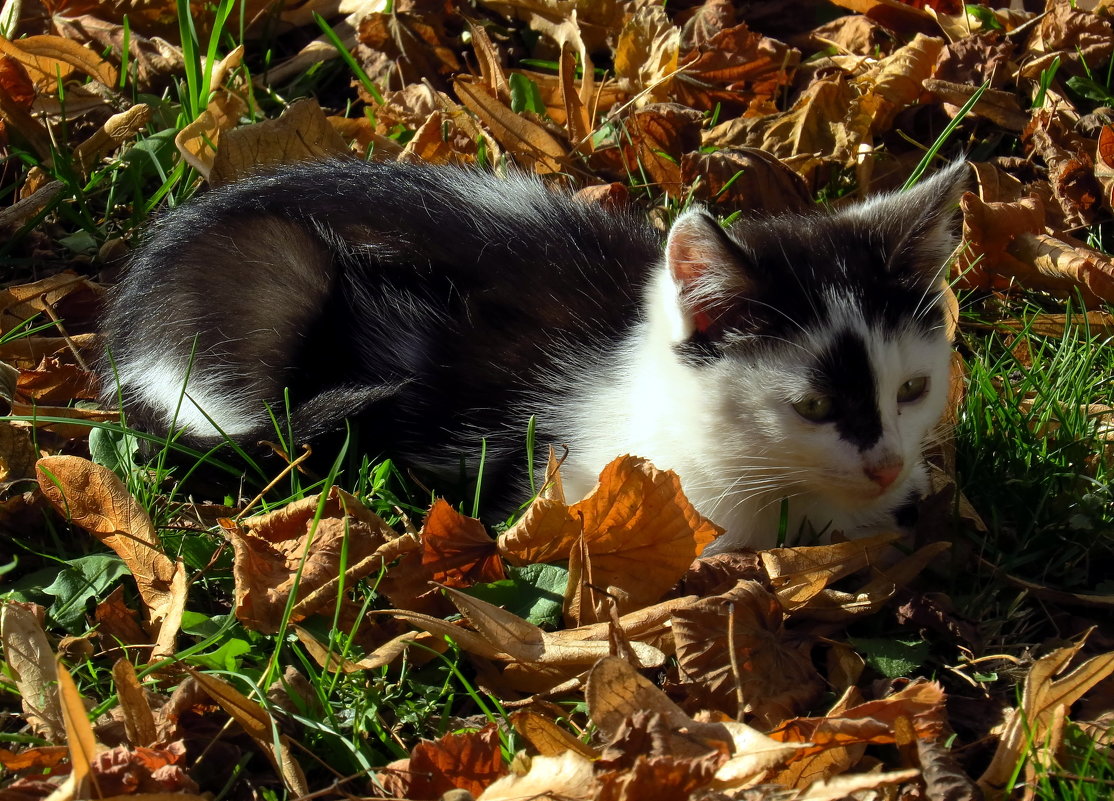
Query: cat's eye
point(815, 408)
point(912, 390)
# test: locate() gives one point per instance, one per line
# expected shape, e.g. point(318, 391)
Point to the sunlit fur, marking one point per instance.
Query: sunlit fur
point(440, 307)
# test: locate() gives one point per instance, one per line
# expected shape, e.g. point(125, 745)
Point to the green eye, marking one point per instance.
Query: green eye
point(912, 389)
point(816, 408)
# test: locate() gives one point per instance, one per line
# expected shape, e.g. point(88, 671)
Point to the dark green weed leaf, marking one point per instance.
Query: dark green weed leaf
point(525, 95)
point(891, 657)
point(534, 593)
point(83, 578)
point(114, 449)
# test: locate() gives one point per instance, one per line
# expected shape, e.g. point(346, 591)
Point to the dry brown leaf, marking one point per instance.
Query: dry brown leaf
point(525, 642)
point(51, 381)
point(28, 351)
point(1064, 32)
point(797, 574)
point(457, 549)
point(70, 297)
point(491, 69)
point(1005, 243)
point(302, 133)
point(118, 625)
point(568, 776)
point(449, 137)
point(832, 744)
point(144, 774)
point(1104, 163)
point(82, 745)
point(151, 59)
point(258, 724)
point(988, 231)
point(830, 118)
point(834, 606)
point(655, 139)
point(841, 787)
point(944, 778)
point(67, 422)
point(1001, 108)
point(44, 758)
point(469, 762)
point(19, 213)
point(660, 776)
point(404, 46)
point(515, 132)
point(735, 69)
point(546, 737)
point(854, 34)
point(31, 660)
point(646, 55)
point(48, 57)
point(899, 79)
point(269, 550)
point(1095, 324)
point(117, 129)
point(139, 723)
point(17, 452)
point(617, 695)
point(1043, 699)
point(745, 179)
point(640, 530)
point(758, 669)
point(898, 16)
point(93, 497)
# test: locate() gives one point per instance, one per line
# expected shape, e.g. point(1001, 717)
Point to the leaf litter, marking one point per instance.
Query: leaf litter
point(719, 678)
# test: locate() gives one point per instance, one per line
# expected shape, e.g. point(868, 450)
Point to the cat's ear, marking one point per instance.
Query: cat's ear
point(919, 224)
point(707, 269)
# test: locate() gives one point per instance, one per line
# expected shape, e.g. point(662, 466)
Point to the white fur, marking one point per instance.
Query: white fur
point(159, 382)
point(730, 432)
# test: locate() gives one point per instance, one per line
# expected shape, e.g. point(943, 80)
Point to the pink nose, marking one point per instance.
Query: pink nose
point(884, 474)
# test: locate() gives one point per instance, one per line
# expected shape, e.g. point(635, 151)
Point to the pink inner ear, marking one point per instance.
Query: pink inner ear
point(692, 253)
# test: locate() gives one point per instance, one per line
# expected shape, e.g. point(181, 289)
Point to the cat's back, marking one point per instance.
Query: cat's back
point(375, 275)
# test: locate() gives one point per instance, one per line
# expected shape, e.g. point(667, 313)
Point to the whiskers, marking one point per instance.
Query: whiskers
point(766, 483)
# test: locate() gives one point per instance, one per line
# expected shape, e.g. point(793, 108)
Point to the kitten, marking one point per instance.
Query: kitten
point(794, 357)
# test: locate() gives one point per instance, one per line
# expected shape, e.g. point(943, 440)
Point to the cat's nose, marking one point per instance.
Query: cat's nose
point(884, 474)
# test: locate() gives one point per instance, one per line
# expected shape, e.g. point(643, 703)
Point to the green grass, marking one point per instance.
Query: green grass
point(1029, 457)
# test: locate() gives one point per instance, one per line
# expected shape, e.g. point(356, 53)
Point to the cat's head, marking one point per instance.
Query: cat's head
point(821, 339)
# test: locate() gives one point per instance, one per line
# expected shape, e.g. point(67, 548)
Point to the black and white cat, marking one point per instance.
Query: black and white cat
point(794, 357)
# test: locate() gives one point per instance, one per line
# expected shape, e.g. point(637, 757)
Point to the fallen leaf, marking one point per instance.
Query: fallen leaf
point(899, 79)
point(797, 574)
point(259, 725)
point(144, 772)
point(294, 549)
point(302, 133)
point(35, 673)
point(546, 737)
point(93, 497)
point(734, 69)
point(458, 550)
point(652, 142)
point(646, 55)
point(17, 452)
point(568, 776)
point(515, 132)
point(639, 529)
point(51, 381)
point(745, 179)
point(758, 668)
point(47, 57)
point(1044, 697)
point(920, 706)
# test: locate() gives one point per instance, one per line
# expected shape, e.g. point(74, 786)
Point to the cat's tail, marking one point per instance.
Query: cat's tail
point(209, 324)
